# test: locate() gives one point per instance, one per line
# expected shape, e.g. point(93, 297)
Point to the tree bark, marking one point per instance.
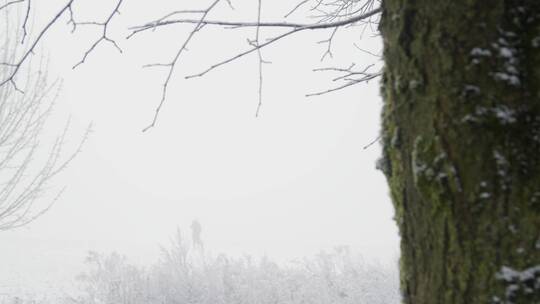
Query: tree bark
point(461, 134)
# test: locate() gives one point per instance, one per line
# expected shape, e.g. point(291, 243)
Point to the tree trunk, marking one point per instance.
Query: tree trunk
point(461, 133)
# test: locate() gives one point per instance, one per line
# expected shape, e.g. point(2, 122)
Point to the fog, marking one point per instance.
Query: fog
point(293, 182)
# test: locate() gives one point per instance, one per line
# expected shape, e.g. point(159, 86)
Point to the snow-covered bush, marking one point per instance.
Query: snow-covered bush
point(185, 275)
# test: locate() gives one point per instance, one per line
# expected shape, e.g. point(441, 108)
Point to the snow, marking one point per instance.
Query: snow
point(506, 52)
point(472, 89)
point(505, 114)
point(420, 168)
point(509, 274)
point(485, 195)
point(480, 52)
point(508, 78)
point(510, 58)
point(526, 281)
point(536, 42)
point(500, 159)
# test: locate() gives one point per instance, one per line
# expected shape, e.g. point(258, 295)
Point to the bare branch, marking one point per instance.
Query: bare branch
point(349, 76)
point(25, 22)
point(255, 46)
point(103, 37)
point(172, 65)
point(296, 8)
point(17, 66)
point(229, 2)
point(329, 44)
point(376, 140)
point(27, 164)
point(261, 60)
point(366, 51)
point(72, 20)
point(303, 26)
point(10, 3)
point(286, 34)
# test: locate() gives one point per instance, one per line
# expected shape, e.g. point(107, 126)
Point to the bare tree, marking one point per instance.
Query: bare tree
point(331, 16)
point(27, 162)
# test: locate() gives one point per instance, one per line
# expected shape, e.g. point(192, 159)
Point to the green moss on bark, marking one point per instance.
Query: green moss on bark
point(461, 133)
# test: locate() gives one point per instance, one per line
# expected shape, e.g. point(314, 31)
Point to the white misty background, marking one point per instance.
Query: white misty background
point(292, 183)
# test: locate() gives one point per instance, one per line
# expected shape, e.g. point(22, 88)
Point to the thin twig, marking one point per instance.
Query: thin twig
point(261, 60)
point(103, 37)
point(296, 8)
point(295, 30)
point(328, 41)
point(171, 65)
point(26, 55)
point(335, 21)
point(350, 77)
point(372, 143)
point(10, 3)
point(27, 15)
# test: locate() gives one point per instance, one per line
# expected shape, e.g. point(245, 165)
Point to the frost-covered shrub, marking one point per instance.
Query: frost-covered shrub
point(186, 275)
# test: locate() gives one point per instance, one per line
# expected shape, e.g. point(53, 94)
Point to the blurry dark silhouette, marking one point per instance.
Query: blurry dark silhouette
point(196, 230)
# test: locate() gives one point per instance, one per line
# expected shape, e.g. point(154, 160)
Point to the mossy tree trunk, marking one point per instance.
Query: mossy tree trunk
point(461, 133)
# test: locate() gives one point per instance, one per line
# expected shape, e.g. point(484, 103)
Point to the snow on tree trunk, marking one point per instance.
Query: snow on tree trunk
point(461, 133)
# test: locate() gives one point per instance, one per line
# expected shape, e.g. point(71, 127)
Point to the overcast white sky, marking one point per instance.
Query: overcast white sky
point(290, 183)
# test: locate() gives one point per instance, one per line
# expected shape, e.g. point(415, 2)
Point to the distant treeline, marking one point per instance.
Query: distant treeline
point(186, 275)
